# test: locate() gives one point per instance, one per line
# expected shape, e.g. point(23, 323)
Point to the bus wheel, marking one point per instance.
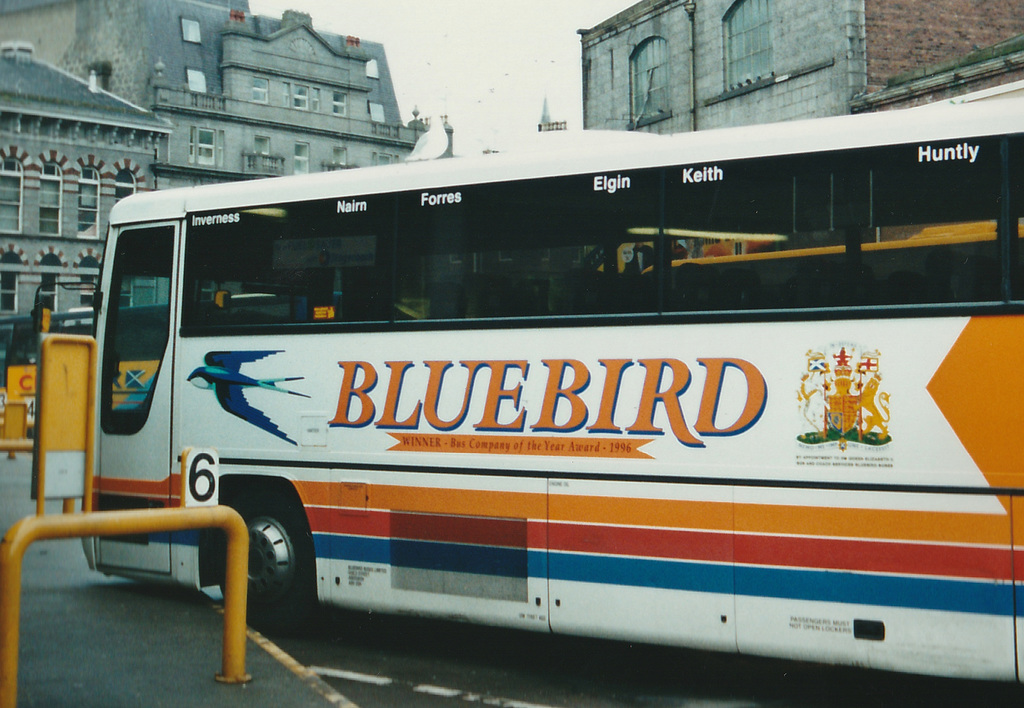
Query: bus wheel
point(282, 591)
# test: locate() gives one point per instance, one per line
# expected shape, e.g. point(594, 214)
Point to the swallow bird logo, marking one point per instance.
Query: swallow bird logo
point(222, 373)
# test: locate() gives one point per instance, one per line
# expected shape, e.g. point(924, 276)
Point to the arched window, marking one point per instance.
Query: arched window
point(50, 182)
point(89, 202)
point(748, 42)
point(648, 80)
point(48, 284)
point(10, 195)
point(88, 263)
point(124, 184)
point(9, 281)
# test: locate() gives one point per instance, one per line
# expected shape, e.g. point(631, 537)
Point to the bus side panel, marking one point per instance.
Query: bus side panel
point(442, 545)
point(134, 440)
point(640, 561)
point(1017, 508)
point(907, 582)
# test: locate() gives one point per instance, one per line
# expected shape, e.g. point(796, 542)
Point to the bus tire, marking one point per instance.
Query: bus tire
point(282, 563)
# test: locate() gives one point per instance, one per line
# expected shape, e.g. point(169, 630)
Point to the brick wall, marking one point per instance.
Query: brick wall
point(903, 35)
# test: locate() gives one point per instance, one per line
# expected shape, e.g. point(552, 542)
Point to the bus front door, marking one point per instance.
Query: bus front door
point(134, 462)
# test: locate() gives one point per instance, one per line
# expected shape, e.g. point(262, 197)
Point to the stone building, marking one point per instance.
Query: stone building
point(248, 96)
point(669, 66)
point(68, 151)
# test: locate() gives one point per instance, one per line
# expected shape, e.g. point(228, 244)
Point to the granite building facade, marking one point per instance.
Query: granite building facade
point(248, 96)
point(670, 66)
point(68, 151)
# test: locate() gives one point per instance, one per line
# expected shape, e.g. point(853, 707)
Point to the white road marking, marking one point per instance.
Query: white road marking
point(351, 676)
point(437, 691)
point(424, 688)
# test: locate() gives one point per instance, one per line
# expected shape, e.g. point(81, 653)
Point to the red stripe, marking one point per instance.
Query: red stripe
point(460, 529)
point(509, 533)
point(356, 523)
point(749, 549)
point(653, 543)
point(875, 556)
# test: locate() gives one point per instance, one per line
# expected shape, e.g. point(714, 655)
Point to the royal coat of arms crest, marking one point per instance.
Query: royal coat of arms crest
point(842, 400)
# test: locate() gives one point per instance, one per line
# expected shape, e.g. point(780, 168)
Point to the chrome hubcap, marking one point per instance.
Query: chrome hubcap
point(271, 559)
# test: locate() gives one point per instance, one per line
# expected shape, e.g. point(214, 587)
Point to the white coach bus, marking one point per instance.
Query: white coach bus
point(753, 390)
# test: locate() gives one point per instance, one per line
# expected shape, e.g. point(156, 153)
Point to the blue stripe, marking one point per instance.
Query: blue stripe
point(641, 572)
point(184, 538)
point(976, 597)
point(459, 558)
point(353, 548)
point(979, 597)
point(428, 555)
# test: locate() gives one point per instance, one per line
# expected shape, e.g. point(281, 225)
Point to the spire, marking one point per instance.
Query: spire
point(546, 124)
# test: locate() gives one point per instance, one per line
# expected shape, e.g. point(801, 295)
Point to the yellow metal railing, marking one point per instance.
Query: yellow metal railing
point(63, 469)
point(113, 523)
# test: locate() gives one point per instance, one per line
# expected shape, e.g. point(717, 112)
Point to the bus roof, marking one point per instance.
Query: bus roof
point(590, 152)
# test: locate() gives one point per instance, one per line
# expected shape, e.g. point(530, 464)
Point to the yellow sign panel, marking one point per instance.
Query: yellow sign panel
point(64, 428)
point(21, 382)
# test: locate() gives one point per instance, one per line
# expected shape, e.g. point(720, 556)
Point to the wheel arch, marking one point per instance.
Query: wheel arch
point(212, 546)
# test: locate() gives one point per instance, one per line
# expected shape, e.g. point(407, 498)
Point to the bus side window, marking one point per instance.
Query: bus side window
point(1016, 225)
point(137, 326)
point(886, 226)
point(290, 264)
point(576, 245)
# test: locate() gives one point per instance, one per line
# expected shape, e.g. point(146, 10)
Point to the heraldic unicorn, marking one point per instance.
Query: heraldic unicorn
point(843, 401)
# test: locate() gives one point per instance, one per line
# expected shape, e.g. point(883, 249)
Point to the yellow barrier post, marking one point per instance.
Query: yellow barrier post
point(66, 425)
point(15, 425)
point(114, 523)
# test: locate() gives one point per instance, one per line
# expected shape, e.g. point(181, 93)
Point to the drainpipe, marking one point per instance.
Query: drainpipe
point(691, 10)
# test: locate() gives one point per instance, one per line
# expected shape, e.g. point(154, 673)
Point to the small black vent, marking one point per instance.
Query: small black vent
point(869, 629)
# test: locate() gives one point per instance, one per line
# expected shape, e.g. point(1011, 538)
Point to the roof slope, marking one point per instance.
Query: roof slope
point(29, 84)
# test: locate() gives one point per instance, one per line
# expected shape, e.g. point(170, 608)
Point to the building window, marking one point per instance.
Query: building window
point(314, 100)
point(339, 103)
point(383, 158)
point(196, 80)
point(261, 145)
point(50, 199)
point(300, 97)
point(48, 284)
point(10, 195)
point(372, 69)
point(190, 31)
point(376, 112)
point(88, 279)
point(260, 90)
point(648, 73)
point(89, 202)
point(748, 45)
point(286, 94)
point(9, 281)
point(301, 163)
point(206, 147)
point(124, 184)
point(340, 156)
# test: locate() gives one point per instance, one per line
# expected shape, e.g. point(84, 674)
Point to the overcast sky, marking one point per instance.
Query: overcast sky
point(487, 64)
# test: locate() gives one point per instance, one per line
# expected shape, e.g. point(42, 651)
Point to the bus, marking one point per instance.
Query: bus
point(748, 390)
point(19, 345)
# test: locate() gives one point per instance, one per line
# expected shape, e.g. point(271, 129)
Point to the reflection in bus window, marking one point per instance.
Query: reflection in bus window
point(302, 263)
point(136, 334)
point(866, 228)
point(529, 249)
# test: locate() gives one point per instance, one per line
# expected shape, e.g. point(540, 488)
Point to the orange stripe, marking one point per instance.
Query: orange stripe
point(467, 502)
point(137, 487)
point(882, 524)
point(874, 523)
point(669, 513)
